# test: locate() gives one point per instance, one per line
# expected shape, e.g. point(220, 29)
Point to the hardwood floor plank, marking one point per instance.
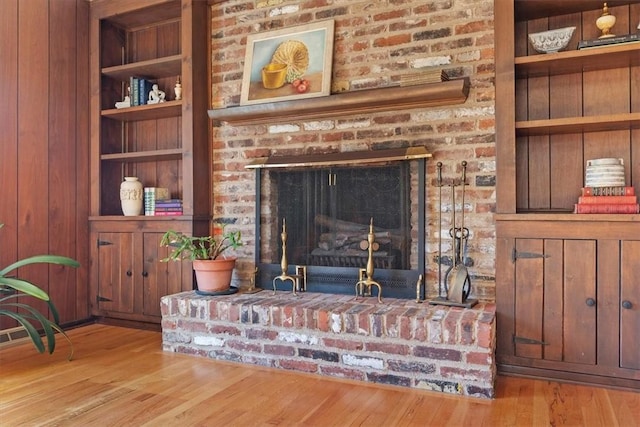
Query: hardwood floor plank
point(121, 377)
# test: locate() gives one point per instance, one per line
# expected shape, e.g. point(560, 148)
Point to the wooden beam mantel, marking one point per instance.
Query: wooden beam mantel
point(348, 103)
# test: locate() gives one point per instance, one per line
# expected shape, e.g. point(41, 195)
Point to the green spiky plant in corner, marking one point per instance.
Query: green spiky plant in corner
point(12, 288)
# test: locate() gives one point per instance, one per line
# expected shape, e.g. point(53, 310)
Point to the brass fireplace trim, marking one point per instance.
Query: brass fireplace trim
point(346, 158)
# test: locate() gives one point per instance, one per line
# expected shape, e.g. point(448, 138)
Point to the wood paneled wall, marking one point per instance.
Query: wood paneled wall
point(44, 144)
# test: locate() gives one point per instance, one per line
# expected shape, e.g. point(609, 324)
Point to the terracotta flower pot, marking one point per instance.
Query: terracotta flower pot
point(214, 275)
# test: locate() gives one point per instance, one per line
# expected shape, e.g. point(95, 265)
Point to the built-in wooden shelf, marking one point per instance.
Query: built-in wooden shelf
point(153, 68)
point(566, 216)
point(144, 156)
point(527, 9)
point(348, 103)
point(578, 124)
point(145, 112)
point(576, 61)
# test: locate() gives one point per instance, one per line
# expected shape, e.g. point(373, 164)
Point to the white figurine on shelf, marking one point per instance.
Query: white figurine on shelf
point(156, 95)
point(127, 100)
point(178, 89)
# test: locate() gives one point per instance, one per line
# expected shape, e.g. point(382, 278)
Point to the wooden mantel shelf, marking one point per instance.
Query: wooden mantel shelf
point(348, 103)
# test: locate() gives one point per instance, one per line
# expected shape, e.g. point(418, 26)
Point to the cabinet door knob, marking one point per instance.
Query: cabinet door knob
point(129, 273)
point(591, 302)
point(145, 274)
point(626, 304)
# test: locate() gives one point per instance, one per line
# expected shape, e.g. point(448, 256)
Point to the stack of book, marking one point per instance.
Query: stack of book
point(430, 76)
point(628, 38)
point(168, 207)
point(607, 200)
point(151, 195)
point(139, 89)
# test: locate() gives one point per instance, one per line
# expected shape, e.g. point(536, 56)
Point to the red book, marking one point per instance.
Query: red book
point(608, 191)
point(168, 213)
point(602, 208)
point(612, 200)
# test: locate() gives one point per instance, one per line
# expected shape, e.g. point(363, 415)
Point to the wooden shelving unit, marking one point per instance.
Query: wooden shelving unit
point(567, 296)
point(164, 145)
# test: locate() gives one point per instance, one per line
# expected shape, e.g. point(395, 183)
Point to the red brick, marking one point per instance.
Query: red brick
point(194, 326)
point(450, 333)
point(479, 358)
point(388, 348)
point(392, 40)
point(234, 313)
point(298, 365)
point(223, 329)
point(322, 320)
point(244, 346)
point(467, 327)
point(485, 335)
point(475, 375)
point(279, 350)
point(344, 344)
point(336, 371)
point(287, 316)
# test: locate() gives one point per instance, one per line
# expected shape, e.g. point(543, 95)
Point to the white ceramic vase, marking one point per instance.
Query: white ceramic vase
point(131, 196)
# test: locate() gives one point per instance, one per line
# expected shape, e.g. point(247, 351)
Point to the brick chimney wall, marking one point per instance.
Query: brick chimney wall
point(376, 42)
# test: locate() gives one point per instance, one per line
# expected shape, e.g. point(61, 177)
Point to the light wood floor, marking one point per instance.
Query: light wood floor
point(121, 377)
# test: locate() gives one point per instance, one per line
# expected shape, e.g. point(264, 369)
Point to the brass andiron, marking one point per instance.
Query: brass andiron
point(419, 290)
point(363, 287)
point(298, 280)
point(252, 283)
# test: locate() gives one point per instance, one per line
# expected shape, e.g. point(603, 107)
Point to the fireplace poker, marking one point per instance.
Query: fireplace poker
point(439, 184)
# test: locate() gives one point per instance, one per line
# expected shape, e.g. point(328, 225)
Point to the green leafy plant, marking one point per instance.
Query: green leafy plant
point(12, 288)
point(200, 247)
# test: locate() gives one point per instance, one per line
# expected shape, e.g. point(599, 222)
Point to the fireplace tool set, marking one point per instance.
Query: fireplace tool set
point(457, 282)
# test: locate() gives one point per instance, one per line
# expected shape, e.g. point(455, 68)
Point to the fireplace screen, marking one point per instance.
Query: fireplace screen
point(328, 212)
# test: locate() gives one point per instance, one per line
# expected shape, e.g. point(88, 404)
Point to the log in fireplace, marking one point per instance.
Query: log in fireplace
point(328, 202)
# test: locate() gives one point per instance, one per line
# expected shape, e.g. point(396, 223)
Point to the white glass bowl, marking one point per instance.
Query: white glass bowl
point(552, 40)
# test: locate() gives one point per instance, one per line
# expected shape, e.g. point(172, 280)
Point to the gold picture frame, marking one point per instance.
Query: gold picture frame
point(287, 64)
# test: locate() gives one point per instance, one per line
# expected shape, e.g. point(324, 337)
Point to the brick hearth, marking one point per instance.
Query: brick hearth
point(397, 342)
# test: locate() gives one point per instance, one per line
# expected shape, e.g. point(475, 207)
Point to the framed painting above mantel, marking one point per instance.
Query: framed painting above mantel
point(286, 64)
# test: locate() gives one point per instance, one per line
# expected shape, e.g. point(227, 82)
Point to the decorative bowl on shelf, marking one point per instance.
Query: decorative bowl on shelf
point(605, 172)
point(552, 40)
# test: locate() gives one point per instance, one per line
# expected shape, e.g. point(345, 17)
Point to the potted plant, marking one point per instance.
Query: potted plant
point(212, 267)
point(12, 288)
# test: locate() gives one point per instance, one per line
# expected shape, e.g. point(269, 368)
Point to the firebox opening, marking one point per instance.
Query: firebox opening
point(328, 209)
point(328, 212)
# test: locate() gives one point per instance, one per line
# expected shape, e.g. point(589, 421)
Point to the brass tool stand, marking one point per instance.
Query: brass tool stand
point(298, 280)
point(363, 287)
point(455, 296)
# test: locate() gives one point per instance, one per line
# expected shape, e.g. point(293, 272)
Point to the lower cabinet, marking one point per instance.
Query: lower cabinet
point(128, 277)
point(569, 309)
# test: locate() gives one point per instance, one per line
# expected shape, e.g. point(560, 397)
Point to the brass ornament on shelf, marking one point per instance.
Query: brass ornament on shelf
point(365, 279)
point(605, 22)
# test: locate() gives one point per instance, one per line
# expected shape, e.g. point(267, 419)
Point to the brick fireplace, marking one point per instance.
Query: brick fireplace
point(397, 342)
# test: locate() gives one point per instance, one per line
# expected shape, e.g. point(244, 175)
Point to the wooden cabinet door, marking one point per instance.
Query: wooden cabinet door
point(116, 272)
point(161, 278)
point(555, 307)
point(630, 305)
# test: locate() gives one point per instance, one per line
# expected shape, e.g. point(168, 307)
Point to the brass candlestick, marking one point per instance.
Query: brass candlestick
point(363, 286)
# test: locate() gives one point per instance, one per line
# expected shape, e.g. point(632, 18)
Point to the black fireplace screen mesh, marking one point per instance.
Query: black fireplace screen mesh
point(328, 213)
